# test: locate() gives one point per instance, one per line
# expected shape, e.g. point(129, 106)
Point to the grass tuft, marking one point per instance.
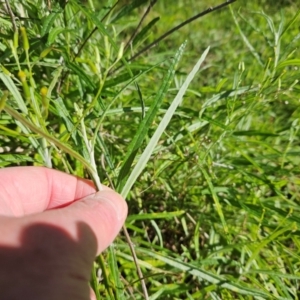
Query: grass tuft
point(207, 158)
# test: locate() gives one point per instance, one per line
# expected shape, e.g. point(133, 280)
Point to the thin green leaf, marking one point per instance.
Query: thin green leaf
point(152, 216)
point(287, 27)
point(54, 33)
point(13, 133)
point(64, 114)
point(94, 18)
point(289, 62)
point(275, 273)
point(15, 158)
point(128, 7)
point(259, 246)
point(254, 133)
point(117, 80)
point(35, 142)
point(193, 270)
point(94, 283)
point(78, 71)
point(138, 109)
point(105, 152)
point(5, 23)
point(147, 121)
point(118, 286)
point(216, 200)
point(214, 122)
point(246, 40)
point(14, 91)
point(55, 77)
point(48, 22)
point(161, 128)
point(66, 148)
point(145, 30)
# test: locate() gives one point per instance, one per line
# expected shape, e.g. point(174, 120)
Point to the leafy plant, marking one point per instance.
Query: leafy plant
point(208, 160)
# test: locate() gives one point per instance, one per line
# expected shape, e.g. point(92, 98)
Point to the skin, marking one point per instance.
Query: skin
point(52, 225)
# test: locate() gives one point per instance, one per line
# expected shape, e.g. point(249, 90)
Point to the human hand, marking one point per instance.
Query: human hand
point(48, 239)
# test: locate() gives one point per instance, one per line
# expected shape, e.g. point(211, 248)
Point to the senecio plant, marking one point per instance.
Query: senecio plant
point(206, 155)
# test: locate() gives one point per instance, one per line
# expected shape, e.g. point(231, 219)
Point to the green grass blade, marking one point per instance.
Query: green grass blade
point(93, 18)
point(15, 158)
point(152, 216)
point(48, 22)
point(128, 7)
point(145, 30)
point(63, 112)
point(35, 142)
point(216, 200)
point(254, 133)
point(138, 109)
point(289, 62)
point(292, 21)
point(52, 36)
point(94, 283)
point(115, 274)
point(147, 121)
point(263, 243)
point(161, 128)
point(64, 147)
point(204, 275)
point(82, 75)
point(246, 40)
point(14, 133)
point(15, 92)
point(274, 273)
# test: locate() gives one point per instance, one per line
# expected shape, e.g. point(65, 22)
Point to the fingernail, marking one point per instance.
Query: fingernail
point(111, 198)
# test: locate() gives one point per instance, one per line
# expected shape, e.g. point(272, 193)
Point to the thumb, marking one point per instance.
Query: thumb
point(103, 212)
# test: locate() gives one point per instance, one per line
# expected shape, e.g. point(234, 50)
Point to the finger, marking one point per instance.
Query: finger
point(104, 212)
point(92, 295)
point(27, 190)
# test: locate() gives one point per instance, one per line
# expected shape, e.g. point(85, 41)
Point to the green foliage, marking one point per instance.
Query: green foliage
point(209, 163)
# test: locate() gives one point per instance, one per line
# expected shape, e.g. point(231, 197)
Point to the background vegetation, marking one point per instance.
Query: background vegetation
point(215, 212)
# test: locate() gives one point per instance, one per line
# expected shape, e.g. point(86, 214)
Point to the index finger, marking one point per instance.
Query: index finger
point(28, 190)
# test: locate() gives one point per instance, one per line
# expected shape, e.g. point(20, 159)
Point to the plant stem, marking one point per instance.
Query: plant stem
point(152, 3)
point(12, 16)
point(203, 13)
